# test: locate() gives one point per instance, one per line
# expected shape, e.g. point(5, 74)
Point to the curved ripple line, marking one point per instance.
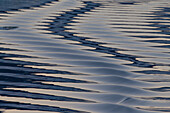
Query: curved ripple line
point(72, 59)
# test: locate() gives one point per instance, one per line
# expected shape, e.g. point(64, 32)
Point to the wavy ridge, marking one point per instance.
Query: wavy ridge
point(70, 61)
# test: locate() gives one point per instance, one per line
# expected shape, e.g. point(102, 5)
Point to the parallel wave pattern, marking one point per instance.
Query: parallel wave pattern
point(79, 56)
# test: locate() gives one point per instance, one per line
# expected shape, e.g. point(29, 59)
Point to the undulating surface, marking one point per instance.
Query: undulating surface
point(85, 56)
